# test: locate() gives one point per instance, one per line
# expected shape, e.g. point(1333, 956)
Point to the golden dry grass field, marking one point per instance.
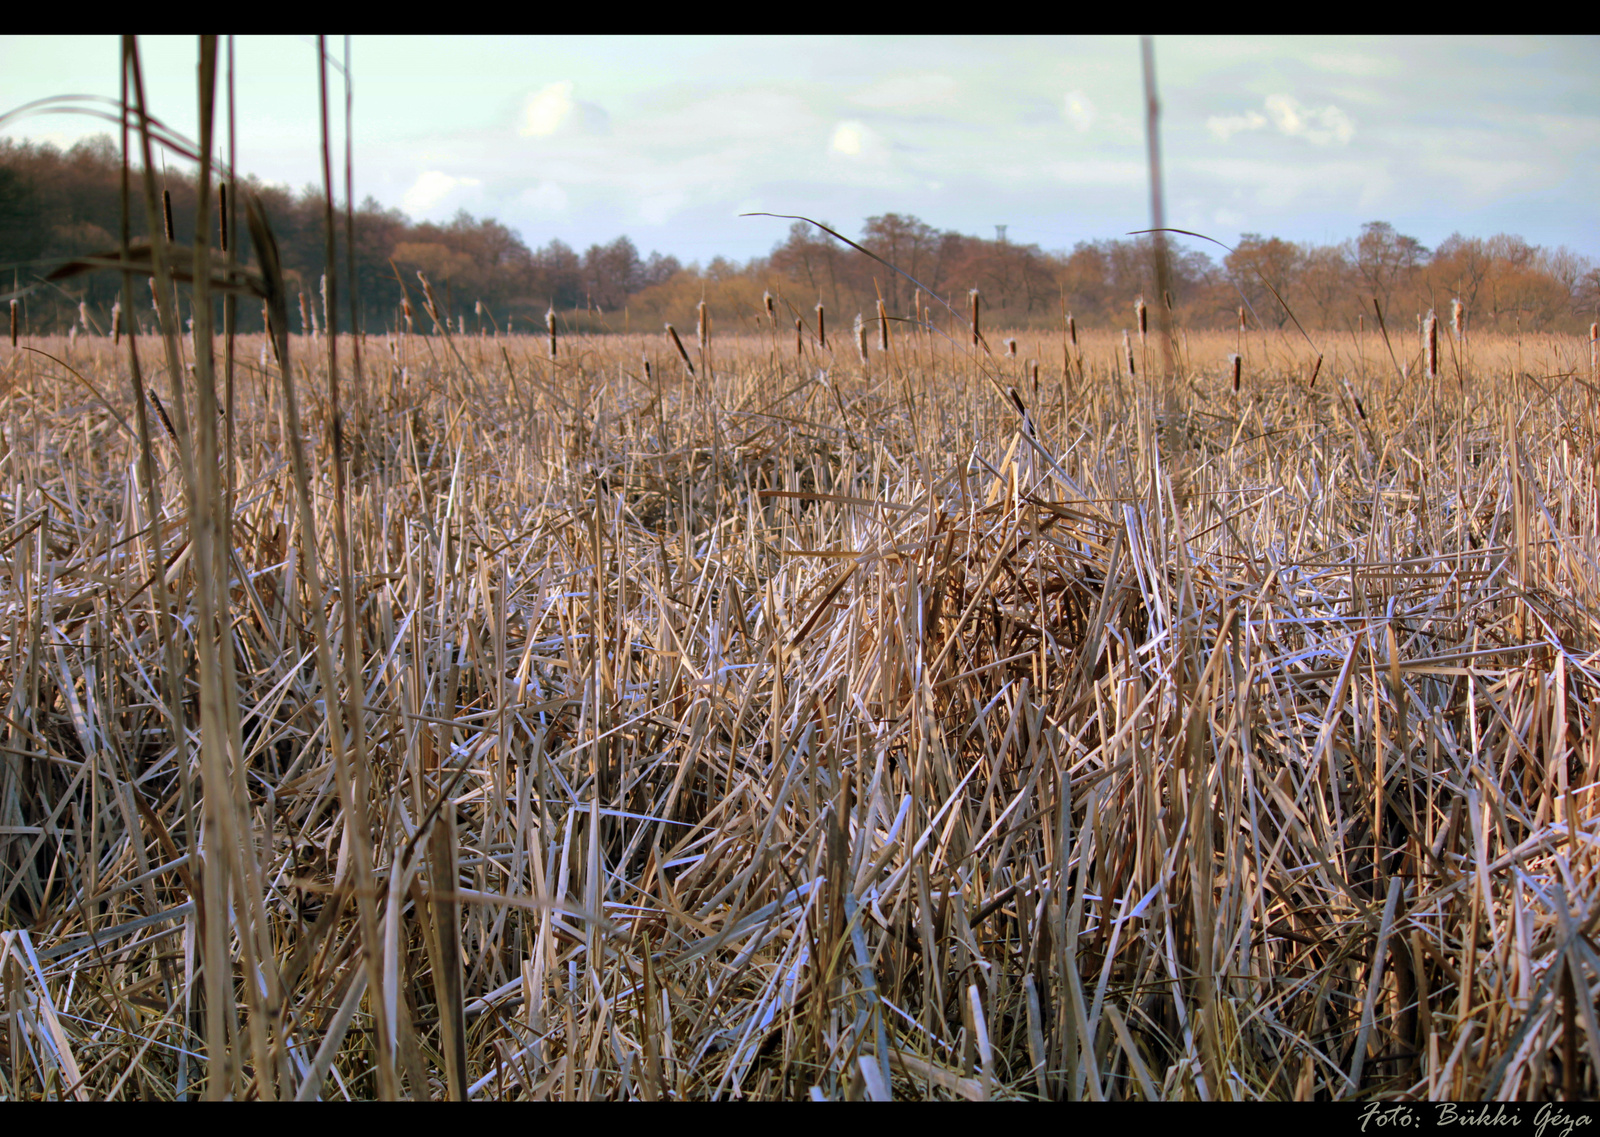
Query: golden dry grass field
point(805, 726)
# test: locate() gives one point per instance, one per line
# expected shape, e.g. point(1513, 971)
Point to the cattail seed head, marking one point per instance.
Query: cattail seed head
point(822, 332)
point(305, 315)
point(13, 323)
point(1072, 329)
point(861, 338)
point(550, 326)
point(703, 324)
point(883, 328)
point(222, 215)
point(1241, 318)
point(672, 333)
point(116, 323)
point(973, 296)
point(166, 211)
point(1238, 363)
point(1431, 332)
point(83, 314)
point(1144, 318)
point(1011, 348)
point(1127, 350)
point(772, 309)
point(799, 329)
point(1458, 318)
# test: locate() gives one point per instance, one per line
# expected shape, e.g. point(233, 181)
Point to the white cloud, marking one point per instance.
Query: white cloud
point(545, 111)
point(1079, 110)
point(848, 138)
point(430, 189)
point(1317, 125)
point(552, 110)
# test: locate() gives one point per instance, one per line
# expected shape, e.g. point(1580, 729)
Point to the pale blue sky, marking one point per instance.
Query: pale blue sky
point(668, 139)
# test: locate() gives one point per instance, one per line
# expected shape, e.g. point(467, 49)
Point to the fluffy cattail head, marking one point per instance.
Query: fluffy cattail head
point(1458, 317)
point(116, 323)
point(772, 309)
point(1011, 348)
point(1144, 317)
point(861, 337)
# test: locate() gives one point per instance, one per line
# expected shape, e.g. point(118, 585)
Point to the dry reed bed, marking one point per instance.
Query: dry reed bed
point(770, 733)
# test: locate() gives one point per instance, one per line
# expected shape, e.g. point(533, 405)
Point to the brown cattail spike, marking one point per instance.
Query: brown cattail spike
point(1431, 334)
point(772, 311)
point(1072, 330)
point(1238, 362)
point(861, 337)
point(1127, 350)
point(166, 211)
point(13, 323)
point(672, 332)
point(973, 295)
point(883, 328)
point(1144, 317)
point(822, 332)
point(550, 326)
point(799, 329)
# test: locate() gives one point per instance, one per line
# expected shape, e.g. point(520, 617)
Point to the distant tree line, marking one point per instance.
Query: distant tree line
point(55, 205)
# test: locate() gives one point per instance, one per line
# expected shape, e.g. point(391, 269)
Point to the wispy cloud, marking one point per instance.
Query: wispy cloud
point(1320, 126)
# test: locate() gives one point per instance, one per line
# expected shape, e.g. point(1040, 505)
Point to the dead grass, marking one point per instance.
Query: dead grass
point(804, 728)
